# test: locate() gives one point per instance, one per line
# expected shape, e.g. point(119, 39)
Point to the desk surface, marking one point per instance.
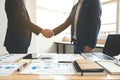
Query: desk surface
point(61, 42)
point(17, 76)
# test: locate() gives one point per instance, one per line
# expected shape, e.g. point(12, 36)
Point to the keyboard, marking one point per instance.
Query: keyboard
point(91, 56)
point(103, 56)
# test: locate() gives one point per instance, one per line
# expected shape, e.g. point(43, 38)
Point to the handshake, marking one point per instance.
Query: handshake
point(47, 33)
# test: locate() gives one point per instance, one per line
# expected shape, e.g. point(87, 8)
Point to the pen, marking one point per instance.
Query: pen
point(21, 67)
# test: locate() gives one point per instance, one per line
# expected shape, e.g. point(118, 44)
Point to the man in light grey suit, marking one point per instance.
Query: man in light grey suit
point(85, 25)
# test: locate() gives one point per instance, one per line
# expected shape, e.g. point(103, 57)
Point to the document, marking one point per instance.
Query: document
point(7, 69)
point(111, 67)
point(69, 57)
point(11, 57)
point(49, 68)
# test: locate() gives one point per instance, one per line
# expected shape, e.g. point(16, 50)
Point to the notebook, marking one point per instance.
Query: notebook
point(87, 67)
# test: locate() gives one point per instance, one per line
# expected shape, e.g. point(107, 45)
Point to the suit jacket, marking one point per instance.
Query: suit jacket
point(88, 24)
point(20, 27)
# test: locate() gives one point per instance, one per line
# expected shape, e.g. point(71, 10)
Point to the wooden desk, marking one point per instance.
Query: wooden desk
point(17, 76)
point(68, 43)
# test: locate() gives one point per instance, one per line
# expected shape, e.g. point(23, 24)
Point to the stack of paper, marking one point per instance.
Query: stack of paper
point(111, 67)
point(8, 68)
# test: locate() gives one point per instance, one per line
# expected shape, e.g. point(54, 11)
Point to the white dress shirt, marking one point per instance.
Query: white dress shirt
point(76, 17)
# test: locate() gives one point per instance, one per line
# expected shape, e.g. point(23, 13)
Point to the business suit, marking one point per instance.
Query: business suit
point(20, 28)
point(88, 24)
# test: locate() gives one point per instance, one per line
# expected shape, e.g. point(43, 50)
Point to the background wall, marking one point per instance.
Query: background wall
point(39, 44)
point(3, 26)
point(31, 7)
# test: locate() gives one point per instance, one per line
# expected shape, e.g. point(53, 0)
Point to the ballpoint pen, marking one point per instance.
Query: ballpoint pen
point(21, 67)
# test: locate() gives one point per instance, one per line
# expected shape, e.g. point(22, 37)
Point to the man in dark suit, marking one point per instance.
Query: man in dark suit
point(85, 25)
point(20, 28)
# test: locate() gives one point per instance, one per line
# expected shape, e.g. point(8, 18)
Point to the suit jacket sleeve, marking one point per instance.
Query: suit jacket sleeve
point(95, 15)
point(62, 27)
point(16, 11)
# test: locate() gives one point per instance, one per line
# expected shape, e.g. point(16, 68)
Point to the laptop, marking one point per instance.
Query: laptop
point(111, 49)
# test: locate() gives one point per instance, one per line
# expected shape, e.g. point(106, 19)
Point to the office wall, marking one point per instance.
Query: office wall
point(39, 44)
point(31, 7)
point(3, 26)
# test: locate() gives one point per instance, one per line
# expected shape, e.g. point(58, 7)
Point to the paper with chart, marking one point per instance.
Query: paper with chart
point(49, 68)
point(7, 69)
point(11, 57)
point(69, 57)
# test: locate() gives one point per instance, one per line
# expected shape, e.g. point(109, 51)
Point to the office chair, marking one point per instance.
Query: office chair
point(112, 45)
